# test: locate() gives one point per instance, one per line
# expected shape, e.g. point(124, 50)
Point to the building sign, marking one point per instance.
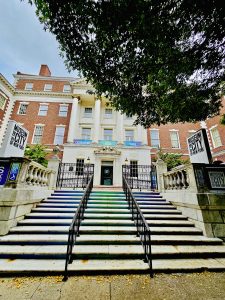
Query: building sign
point(4, 170)
point(15, 141)
point(107, 143)
point(198, 147)
point(14, 171)
point(82, 142)
point(217, 179)
point(132, 144)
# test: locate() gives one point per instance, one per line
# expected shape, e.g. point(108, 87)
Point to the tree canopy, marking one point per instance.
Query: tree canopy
point(161, 60)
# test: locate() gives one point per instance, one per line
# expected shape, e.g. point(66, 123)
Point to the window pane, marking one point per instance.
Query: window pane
point(43, 110)
point(66, 88)
point(48, 87)
point(22, 109)
point(216, 137)
point(88, 112)
point(108, 134)
point(80, 167)
point(174, 139)
point(38, 132)
point(108, 113)
point(129, 135)
point(133, 168)
point(29, 86)
point(59, 135)
point(154, 135)
point(63, 109)
point(86, 133)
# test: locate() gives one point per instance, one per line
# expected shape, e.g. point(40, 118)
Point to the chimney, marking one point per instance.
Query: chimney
point(44, 71)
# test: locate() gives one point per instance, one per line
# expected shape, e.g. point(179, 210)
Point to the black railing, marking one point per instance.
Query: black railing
point(143, 230)
point(140, 176)
point(74, 175)
point(74, 229)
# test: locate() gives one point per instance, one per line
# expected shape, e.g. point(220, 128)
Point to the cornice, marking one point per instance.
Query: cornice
point(45, 78)
point(42, 93)
point(7, 84)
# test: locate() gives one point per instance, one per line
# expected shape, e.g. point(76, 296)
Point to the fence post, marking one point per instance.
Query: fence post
point(53, 164)
point(161, 167)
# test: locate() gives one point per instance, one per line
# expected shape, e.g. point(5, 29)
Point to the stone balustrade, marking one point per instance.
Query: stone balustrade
point(37, 175)
point(177, 178)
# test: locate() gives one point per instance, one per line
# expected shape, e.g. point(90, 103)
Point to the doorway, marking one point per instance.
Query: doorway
point(106, 174)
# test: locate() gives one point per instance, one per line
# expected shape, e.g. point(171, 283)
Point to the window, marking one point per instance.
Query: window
point(86, 133)
point(80, 167)
point(215, 137)
point(29, 86)
point(129, 135)
point(59, 135)
point(66, 88)
point(154, 136)
point(174, 136)
point(43, 110)
point(108, 134)
point(88, 112)
point(108, 113)
point(22, 109)
point(133, 168)
point(38, 132)
point(48, 87)
point(63, 109)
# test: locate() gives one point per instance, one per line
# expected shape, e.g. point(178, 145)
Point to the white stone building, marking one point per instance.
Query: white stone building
point(104, 137)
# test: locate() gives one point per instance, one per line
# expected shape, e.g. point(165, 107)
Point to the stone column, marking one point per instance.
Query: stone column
point(73, 121)
point(120, 128)
point(53, 164)
point(97, 120)
point(144, 136)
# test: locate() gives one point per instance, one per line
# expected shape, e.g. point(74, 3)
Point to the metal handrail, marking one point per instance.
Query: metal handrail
point(143, 230)
point(74, 229)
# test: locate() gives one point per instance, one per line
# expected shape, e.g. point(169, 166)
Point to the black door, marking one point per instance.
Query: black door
point(107, 175)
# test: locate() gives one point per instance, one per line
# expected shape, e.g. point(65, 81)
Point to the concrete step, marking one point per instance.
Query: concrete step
point(58, 214)
point(85, 222)
point(39, 239)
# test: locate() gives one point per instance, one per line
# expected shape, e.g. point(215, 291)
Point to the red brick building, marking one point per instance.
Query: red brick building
point(43, 105)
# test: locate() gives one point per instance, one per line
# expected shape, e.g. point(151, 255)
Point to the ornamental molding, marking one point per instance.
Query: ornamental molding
point(52, 94)
point(6, 83)
point(107, 150)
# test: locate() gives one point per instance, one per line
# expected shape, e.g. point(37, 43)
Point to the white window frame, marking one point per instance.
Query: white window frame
point(22, 103)
point(108, 115)
point(65, 90)
point(48, 87)
point(38, 125)
point(43, 112)
point(62, 111)
point(88, 115)
point(215, 145)
point(59, 135)
point(129, 137)
point(29, 86)
point(104, 136)
point(191, 132)
point(151, 139)
point(85, 136)
point(178, 139)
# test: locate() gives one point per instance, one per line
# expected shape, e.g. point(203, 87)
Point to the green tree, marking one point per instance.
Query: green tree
point(172, 159)
point(37, 153)
point(162, 61)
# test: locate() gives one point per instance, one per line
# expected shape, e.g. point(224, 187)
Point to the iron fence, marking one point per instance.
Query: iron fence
point(140, 176)
point(74, 175)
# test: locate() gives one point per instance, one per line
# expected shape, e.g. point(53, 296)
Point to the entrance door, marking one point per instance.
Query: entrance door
point(107, 175)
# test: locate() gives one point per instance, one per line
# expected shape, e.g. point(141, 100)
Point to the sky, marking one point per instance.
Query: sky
point(24, 45)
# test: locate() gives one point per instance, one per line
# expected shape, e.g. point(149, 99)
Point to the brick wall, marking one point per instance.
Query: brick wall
point(38, 85)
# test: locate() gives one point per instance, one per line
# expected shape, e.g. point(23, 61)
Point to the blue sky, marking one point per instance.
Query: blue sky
point(24, 45)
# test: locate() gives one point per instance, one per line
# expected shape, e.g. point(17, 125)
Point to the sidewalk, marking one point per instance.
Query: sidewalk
point(196, 286)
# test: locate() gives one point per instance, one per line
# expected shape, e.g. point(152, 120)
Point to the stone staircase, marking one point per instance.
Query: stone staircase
point(107, 241)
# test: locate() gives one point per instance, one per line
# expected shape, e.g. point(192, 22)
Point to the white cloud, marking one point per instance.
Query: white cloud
point(24, 43)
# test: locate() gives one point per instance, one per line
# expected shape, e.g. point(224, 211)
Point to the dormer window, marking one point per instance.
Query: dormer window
point(48, 87)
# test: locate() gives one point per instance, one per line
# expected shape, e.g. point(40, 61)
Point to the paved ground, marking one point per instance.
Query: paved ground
point(199, 286)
